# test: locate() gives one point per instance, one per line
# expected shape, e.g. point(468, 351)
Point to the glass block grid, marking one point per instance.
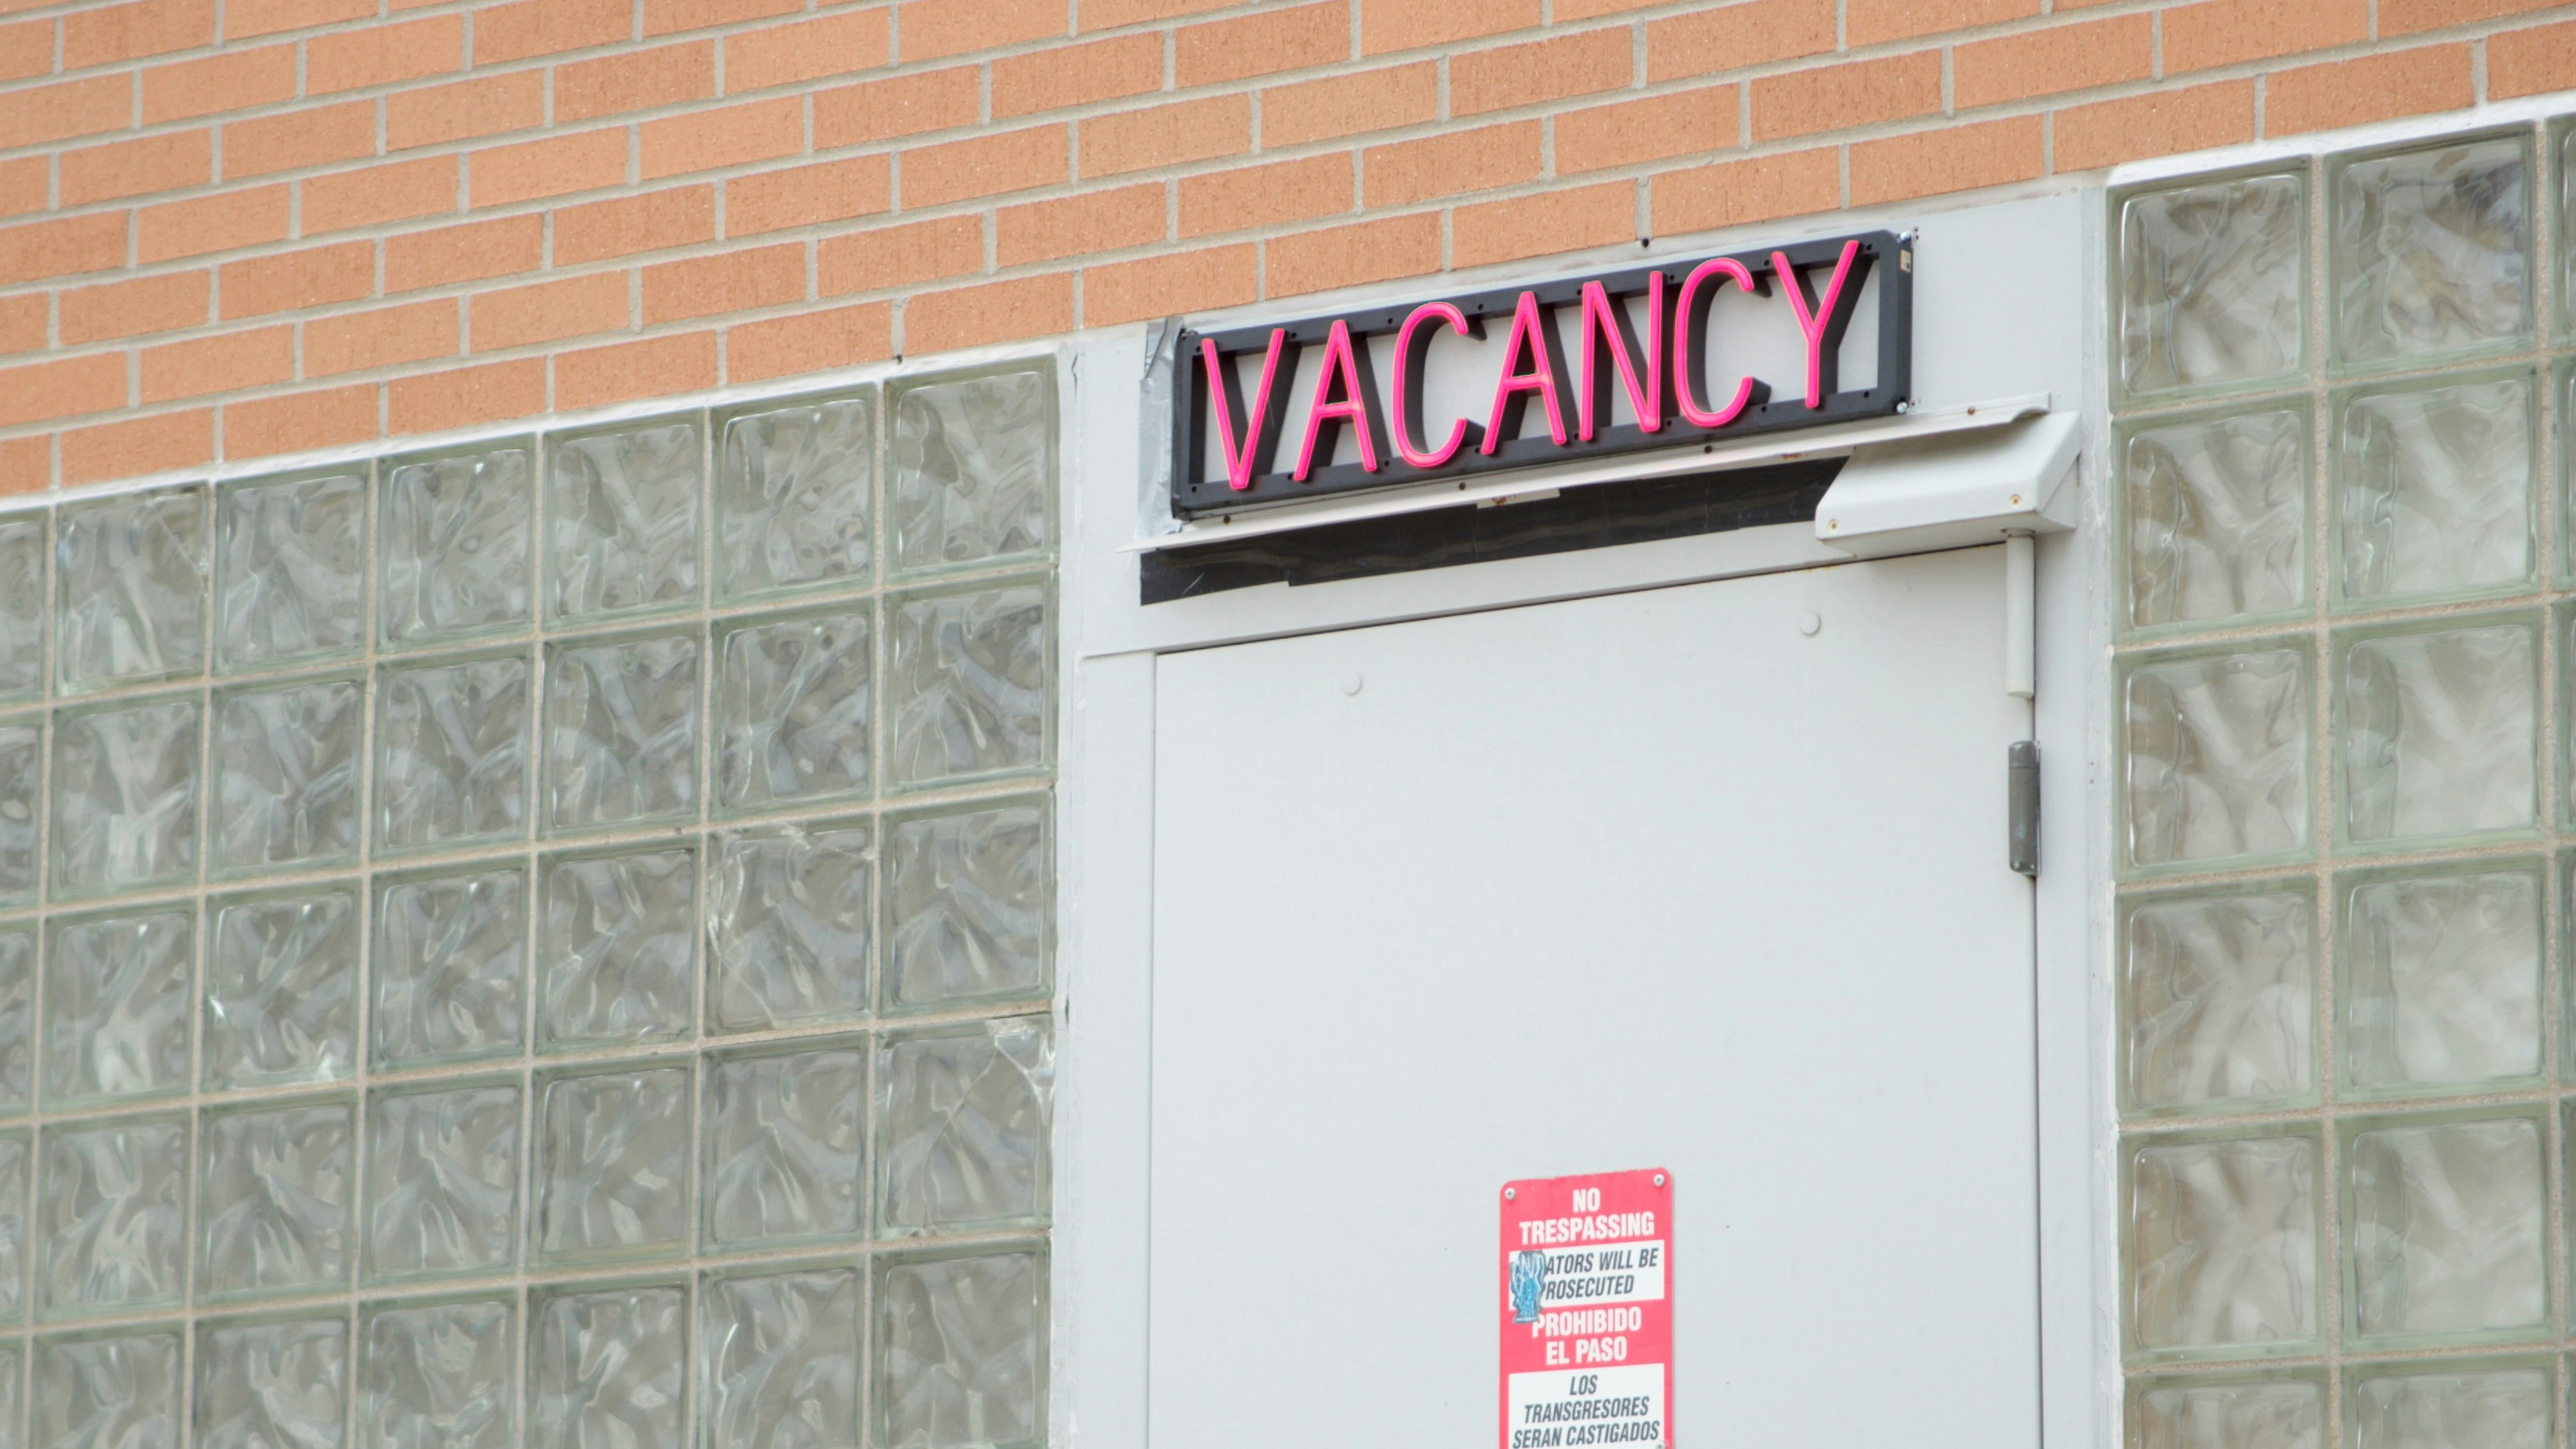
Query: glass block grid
point(545, 942)
point(2345, 797)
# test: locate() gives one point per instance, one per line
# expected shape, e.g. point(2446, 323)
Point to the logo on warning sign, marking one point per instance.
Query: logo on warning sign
point(1529, 1277)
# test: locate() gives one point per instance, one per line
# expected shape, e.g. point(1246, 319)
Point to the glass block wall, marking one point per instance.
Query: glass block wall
point(2346, 799)
point(543, 942)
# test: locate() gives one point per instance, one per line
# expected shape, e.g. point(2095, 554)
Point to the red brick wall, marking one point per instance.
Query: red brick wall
point(232, 229)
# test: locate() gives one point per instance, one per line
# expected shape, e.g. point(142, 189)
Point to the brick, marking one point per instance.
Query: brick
point(1542, 225)
point(808, 342)
point(1545, 70)
point(383, 55)
point(164, 162)
point(483, 106)
point(929, 29)
point(58, 112)
point(725, 136)
point(1348, 256)
point(1957, 158)
point(26, 49)
point(104, 35)
point(1451, 163)
point(1264, 43)
point(1196, 280)
point(160, 444)
point(26, 464)
point(1854, 93)
point(807, 50)
point(1766, 188)
point(1112, 14)
point(228, 81)
point(634, 80)
point(898, 256)
point(549, 311)
point(984, 166)
point(549, 27)
point(465, 397)
point(131, 308)
point(246, 18)
point(1387, 25)
point(1652, 129)
point(217, 223)
point(1077, 75)
point(381, 337)
point(1350, 105)
point(2224, 32)
point(669, 17)
point(624, 225)
point(1568, 10)
point(1093, 222)
point(22, 323)
point(2530, 62)
point(467, 253)
point(993, 312)
point(2053, 61)
point(1274, 195)
point(655, 367)
point(2405, 17)
point(553, 166)
point(1731, 37)
point(1166, 135)
point(316, 136)
point(2162, 123)
point(201, 365)
point(2373, 88)
point(300, 422)
point(905, 105)
point(1874, 22)
point(42, 391)
point(388, 191)
point(290, 281)
point(42, 250)
point(735, 281)
point(807, 195)
point(25, 185)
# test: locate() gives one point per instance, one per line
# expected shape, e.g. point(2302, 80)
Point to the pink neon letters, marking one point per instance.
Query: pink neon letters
point(1691, 335)
point(1605, 330)
point(1342, 371)
point(1412, 347)
point(1531, 334)
point(1241, 459)
point(1814, 320)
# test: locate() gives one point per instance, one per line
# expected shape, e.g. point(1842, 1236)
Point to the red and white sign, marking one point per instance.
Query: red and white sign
point(1587, 1304)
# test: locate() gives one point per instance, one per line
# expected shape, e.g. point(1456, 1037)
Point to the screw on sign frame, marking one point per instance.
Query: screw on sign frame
point(1587, 1311)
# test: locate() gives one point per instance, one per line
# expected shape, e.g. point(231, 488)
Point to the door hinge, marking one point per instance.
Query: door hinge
point(2021, 831)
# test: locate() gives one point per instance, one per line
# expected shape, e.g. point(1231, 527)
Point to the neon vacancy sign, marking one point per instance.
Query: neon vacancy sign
point(1584, 367)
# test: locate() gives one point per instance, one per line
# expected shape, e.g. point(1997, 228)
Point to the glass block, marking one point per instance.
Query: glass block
point(442, 1180)
point(781, 1355)
point(12, 1395)
point(130, 588)
point(107, 1392)
point(960, 1350)
point(2431, 250)
point(273, 1384)
point(786, 1133)
point(962, 1126)
point(2446, 1227)
point(454, 550)
point(286, 776)
point(282, 993)
point(17, 1018)
point(966, 905)
point(605, 1368)
point(274, 1193)
point(22, 765)
point(452, 751)
point(617, 947)
point(792, 709)
point(2218, 999)
point(2433, 490)
point(622, 518)
point(973, 469)
point(22, 605)
point(290, 569)
point(2442, 978)
point(111, 1216)
point(2217, 517)
point(621, 731)
point(795, 486)
point(2437, 731)
point(438, 1375)
point(2482, 1408)
point(612, 1164)
point(17, 1181)
point(116, 1005)
point(2222, 1242)
point(787, 926)
point(448, 982)
point(2212, 280)
point(2285, 1413)
point(125, 796)
point(2216, 749)
point(966, 684)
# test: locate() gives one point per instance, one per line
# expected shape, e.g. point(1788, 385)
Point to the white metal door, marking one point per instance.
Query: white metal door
point(1654, 879)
